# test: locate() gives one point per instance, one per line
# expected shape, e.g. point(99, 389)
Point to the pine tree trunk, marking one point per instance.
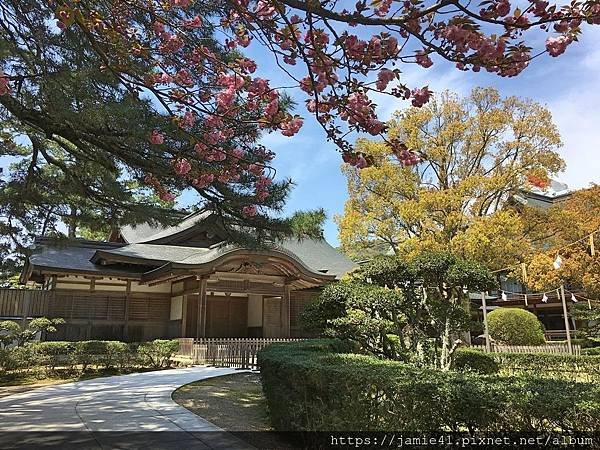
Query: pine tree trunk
point(72, 225)
point(445, 356)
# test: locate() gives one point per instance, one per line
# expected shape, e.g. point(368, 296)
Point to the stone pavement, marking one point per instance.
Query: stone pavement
point(120, 412)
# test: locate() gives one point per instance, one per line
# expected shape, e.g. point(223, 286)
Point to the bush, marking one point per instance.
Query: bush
point(514, 326)
point(469, 359)
point(158, 353)
point(569, 367)
point(90, 353)
point(53, 354)
point(310, 387)
point(591, 351)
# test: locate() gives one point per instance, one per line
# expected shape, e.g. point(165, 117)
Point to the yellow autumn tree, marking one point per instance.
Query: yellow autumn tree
point(568, 227)
point(476, 152)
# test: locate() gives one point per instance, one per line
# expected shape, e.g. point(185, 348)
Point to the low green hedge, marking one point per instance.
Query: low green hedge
point(82, 355)
point(311, 386)
point(576, 368)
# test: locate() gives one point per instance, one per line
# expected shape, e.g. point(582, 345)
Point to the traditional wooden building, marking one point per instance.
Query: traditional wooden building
point(181, 281)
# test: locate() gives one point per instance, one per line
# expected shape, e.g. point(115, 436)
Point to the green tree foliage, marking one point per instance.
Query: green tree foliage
point(590, 318)
point(515, 326)
point(79, 134)
point(402, 309)
point(11, 333)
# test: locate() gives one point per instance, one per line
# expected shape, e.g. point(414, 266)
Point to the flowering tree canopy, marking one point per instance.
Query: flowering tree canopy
point(206, 104)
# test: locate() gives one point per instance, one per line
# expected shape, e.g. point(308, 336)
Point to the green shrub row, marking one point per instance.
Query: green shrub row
point(577, 368)
point(311, 386)
point(106, 355)
point(590, 351)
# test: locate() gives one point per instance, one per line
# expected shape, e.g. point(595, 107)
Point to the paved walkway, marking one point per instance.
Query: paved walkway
point(123, 411)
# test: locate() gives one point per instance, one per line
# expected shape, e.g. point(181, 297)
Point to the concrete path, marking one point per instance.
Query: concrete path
point(128, 411)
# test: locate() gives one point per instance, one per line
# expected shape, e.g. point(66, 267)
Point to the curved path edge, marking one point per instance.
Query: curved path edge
point(125, 411)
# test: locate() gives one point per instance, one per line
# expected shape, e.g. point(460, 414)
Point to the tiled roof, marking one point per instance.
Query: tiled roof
point(106, 258)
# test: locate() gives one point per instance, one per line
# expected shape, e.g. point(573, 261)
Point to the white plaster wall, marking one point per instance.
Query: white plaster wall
point(100, 285)
point(164, 288)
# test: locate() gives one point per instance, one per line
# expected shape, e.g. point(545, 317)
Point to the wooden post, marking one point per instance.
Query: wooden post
point(205, 310)
point(566, 317)
point(184, 316)
point(25, 296)
point(127, 308)
point(488, 344)
point(200, 327)
point(285, 311)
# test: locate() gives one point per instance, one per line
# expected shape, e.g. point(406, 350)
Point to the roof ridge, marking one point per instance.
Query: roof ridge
point(75, 242)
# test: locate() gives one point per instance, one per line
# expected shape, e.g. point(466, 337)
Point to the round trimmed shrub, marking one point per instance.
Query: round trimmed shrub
point(514, 326)
point(472, 360)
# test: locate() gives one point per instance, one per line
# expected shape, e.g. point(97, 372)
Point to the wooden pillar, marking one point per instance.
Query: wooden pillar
point(25, 296)
point(488, 344)
point(285, 311)
point(127, 309)
point(184, 316)
point(566, 317)
point(201, 317)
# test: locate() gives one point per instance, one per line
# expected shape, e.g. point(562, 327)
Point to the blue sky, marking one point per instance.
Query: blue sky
point(569, 86)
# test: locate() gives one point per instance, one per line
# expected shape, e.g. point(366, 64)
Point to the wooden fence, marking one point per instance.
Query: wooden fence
point(559, 349)
point(24, 303)
point(227, 352)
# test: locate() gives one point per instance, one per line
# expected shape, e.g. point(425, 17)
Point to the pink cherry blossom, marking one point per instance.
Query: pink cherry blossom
point(166, 196)
point(264, 10)
point(188, 120)
point(383, 8)
point(183, 78)
point(203, 180)
point(156, 137)
point(272, 108)
point(158, 27)
point(249, 210)
point(383, 78)
point(256, 169)
point(262, 195)
point(181, 3)
point(247, 64)
point(423, 59)
point(557, 45)
point(292, 127)
point(4, 84)
point(196, 22)
point(238, 153)
point(182, 167)
point(262, 182)
point(420, 96)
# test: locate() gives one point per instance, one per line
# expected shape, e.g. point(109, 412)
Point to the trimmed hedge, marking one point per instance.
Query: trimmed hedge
point(515, 326)
point(311, 386)
point(470, 359)
point(576, 368)
point(82, 355)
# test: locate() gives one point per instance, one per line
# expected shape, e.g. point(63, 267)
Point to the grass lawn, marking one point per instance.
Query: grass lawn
point(232, 402)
